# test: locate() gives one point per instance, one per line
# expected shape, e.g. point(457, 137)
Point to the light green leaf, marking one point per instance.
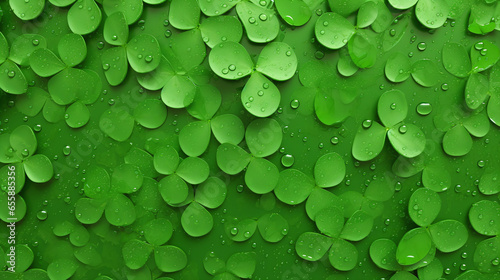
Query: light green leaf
point(23, 141)
point(206, 103)
point(211, 193)
point(368, 142)
point(97, 182)
point(173, 189)
point(367, 14)
point(120, 211)
point(77, 114)
point(403, 4)
point(486, 255)
point(260, 96)
point(196, 220)
point(321, 199)
point(132, 9)
point(329, 170)
point(489, 183)
point(397, 68)
point(230, 60)
point(156, 79)
point(72, 49)
point(476, 90)
point(215, 30)
point(333, 26)
point(170, 258)
point(383, 254)
point(407, 139)
point(312, 246)
point(27, 10)
point(357, 227)
point(194, 138)
point(232, 159)
point(117, 124)
point(242, 264)
point(190, 47)
point(216, 7)
point(456, 60)
point(84, 17)
point(22, 48)
point(261, 24)
point(126, 178)
point(115, 65)
point(228, 128)
point(136, 253)
point(362, 51)
point(184, 14)
point(278, 61)
point(62, 269)
point(457, 141)
point(343, 255)
point(345, 7)
point(89, 211)
point(330, 221)
point(424, 206)
point(143, 53)
point(380, 189)
point(158, 231)
point(261, 176)
point(432, 13)
point(425, 73)
point(434, 270)
point(116, 29)
point(484, 57)
point(193, 170)
point(413, 247)
point(436, 178)
point(392, 107)
point(293, 12)
point(12, 79)
point(484, 217)
point(179, 92)
point(272, 227)
point(448, 235)
point(38, 168)
point(166, 160)
point(478, 124)
point(293, 187)
point(263, 137)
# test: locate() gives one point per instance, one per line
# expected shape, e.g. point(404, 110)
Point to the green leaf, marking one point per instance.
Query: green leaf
point(216, 7)
point(228, 128)
point(343, 255)
point(5, 213)
point(242, 264)
point(478, 124)
point(179, 92)
point(384, 20)
point(403, 275)
point(485, 56)
point(184, 14)
point(126, 178)
point(27, 10)
point(89, 94)
point(84, 17)
point(476, 90)
point(173, 189)
point(293, 12)
point(362, 51)
point(278, 61)
point(24, 257)
point(484, 217)
point(293, 187)
point(413, 247)
point(345, 7)
point(436, 178)
point(486, 255)
point(272, 227)
point(89, 211)
point(72, 49)
point(403, 4)
point(230, 60)
point(23, 141)
point(115, 65)
point(489, 183)
point(53, 112)
point(329, 170)
point(158, 231)
point(132, 9)
point(45, 63)
point(330, 221)
point(4, 48)
point(206, 102)
point(434, 270)
point(120, 211)
point(357, 227)
point(407, 167)
point(193, 170)
point(117, 124)
point(170, 258)
point(12, 79)
point(312, 246)
point(190, 47)
point(391, 38)
point(136, 253)
point(470, 275)
point(143, 53)
point(493, 109)
point(194, 138)
point(196, 220)
point(432, 13)
point(383, 254)
point(213, 265)
point(116, 29)
point(16, 173)
point(456, 60)
point(22, 48)
point(397, 68)
point(61, 269)
point(166, 160)
point(232, 159)
point(62, 3)
point(156, 79)
point(392, 107)
point(345, 65)
point(368, 142)
point(425, 73)
point(216, 30)
point(67, 85)
point(261, 176)
point(321, 199)
point(77, 114)
point(448, 235)
point(332, 25)
point(211, 193)
point(263, 137)
point(329, 106)
point(260, 96)
point(240, 231)
point(32, 102)
point(457, 141)
point(424, 206)
point(150, 113)
point(97, 182)
point(261, 24)
point(38, 168)
point(407, 139)
point(367, 14)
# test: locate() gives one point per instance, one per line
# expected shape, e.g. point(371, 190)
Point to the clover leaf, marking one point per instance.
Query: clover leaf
point(263, 137)
point(260, 97)
point(446, 235)
point(12, 79)
point(430, 13)
point(272, 227)
point(238, 266)
point(398, 68)
point(407, 139)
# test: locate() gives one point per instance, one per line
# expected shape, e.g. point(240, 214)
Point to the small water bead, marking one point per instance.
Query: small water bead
point(234, 231)
point(464, 255)
point(319, 55)
point(11, 74)
point(304, 139)
point(42, 215)
point(321, 145)
point(288, 53)
point(398, 186)
point(260, 93)
point(479, 46)
point(410, 54)
point(334, 140)
point(67, 150)
point(37, 128)
point(421, 46)
point(392, 32)
point(25, 153)
point(254, 245)
point(263, 17)
point(265, 85)
point(458, 188)
point(325, 23)
point(463, 267)
point(232, 67)
point(105, 67)
point(447, 271)
point(444, 87)
point(319, 12)
point(495, 261)
point(367, 123)
point(295, 104)
point(239, 188)
point(481, 164)
point(251, 20)
point(484, 52)
point(413, 39)
point(393, 106)
point(111, 102)
point(168, 33)
point(424, 108)
point(403, 129)
point(148, 58)
point(287, 160)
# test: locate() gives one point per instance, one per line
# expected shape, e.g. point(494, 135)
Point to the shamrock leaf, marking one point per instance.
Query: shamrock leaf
point(238, 266)
point(12, 79)
point(407, 139)
point(430, 13)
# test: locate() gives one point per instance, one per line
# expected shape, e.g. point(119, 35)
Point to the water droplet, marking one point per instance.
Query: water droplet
point(263, 17)
point(240, 188)
point(295, 104)
point(393, 106)
point(168, 33)
point(424, 108)
point(481, 163)
point(403, 129)
point(251, 20)
point(479, 46)
point(367, 123)
point(287, 160)
point(67, 150)
point(42, 215)
point(232, 67)
point(334, 140)
point(421, 46)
